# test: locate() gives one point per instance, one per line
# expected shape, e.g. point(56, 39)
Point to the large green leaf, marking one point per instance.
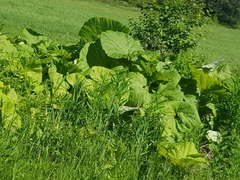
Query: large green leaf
point(183, 154)
point(224, 74)
point(170, 92)
point(92, 54)
point(179, 118)
point(168, 75)
point(168, 84)
point(139, 94)
point(8, 111)
point(139, 98)
point(92, 29)
point(96, 55)
point(60, 86)
point(75, 78)
point(102, 75)
point(86, 85)
point(82, 63)
point(207, 83)
point(33, 37)
point(119, 45)
point(137, 80)
point(33, 73)
point(6, 48)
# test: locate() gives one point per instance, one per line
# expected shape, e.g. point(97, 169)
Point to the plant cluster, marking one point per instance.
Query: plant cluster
point(168, 25)
point(127, 111)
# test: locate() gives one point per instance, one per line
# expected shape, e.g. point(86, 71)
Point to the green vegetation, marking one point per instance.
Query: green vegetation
point(100, 106)
point(53, 19)
point(169, 26)
point(226, 12)
point(115, 111)
point(220, 43)
point(59, 20)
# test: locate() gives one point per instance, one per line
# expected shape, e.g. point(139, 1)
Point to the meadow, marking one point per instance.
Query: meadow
point(106, 108)
point(61, 21)
point(221, 43)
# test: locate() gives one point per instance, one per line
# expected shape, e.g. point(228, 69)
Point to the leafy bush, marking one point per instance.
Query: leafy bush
point(168, 25)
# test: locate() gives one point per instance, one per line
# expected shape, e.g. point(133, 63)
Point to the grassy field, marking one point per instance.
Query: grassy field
point(58, 19)
point(61, 20)
point(221, 43)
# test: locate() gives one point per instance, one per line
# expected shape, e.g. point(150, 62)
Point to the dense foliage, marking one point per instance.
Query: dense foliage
point(108, 109)
point(169, 26)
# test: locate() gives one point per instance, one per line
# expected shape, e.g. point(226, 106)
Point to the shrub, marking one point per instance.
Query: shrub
point(168, 25)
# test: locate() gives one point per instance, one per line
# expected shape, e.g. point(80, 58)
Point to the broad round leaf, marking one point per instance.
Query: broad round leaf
point(102, 75)
point(33, 37)
point(92, 29)
point(183, 154)
point(139, 95)
point(179, 117)
point(119, 45)
point(137, 80)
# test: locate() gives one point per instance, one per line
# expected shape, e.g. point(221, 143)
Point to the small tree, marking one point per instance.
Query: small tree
point(168, 25)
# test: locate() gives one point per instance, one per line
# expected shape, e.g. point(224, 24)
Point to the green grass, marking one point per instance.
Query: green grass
point(221, 43)
point(58, 19)
point(80, 145)
point(61, 20)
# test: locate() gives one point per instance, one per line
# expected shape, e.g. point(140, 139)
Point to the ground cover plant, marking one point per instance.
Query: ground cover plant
point(105, 108)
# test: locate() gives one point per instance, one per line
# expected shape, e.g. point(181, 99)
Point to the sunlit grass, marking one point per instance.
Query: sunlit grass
point(221, 43)
point(59, 20)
